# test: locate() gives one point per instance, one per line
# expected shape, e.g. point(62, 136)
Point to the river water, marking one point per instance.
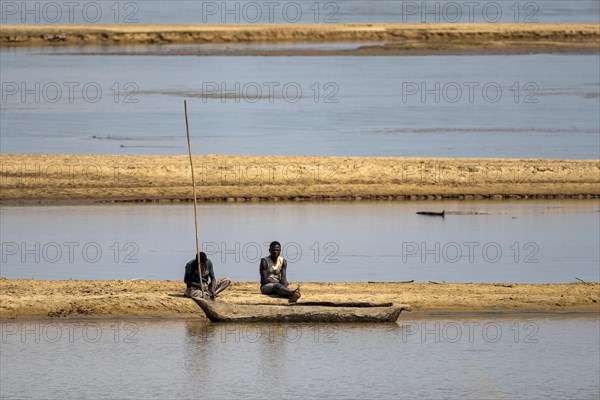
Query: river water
point(298, 11)
point(522, 106)
point(485, 241)
point(467, 357)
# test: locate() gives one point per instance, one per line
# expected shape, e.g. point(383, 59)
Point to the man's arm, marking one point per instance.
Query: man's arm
point(211, 275)
point(213, 283)
point(284, 281)
point(264, 276)
point(189, 282)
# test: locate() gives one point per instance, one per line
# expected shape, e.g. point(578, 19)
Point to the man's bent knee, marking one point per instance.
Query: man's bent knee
point(267, 288)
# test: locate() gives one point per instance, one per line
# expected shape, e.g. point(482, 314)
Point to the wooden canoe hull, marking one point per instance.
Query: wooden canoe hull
point(299, 312)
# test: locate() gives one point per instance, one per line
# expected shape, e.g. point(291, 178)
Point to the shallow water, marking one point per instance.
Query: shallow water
point(512, 357)
point(493, 241)
point(527, 106)
point(299, 11)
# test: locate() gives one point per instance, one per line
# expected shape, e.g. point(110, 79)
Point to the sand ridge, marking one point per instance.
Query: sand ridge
point(435, 37)
point(27, 298)
point(34, 178)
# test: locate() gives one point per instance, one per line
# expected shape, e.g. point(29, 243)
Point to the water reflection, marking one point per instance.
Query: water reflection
point(466, 357)
point(273, 356)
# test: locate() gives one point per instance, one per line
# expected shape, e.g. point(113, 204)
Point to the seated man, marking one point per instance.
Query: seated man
point(273, 275)
point(192, 278)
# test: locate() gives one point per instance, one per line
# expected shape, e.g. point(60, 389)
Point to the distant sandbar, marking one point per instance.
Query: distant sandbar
point(396, 39)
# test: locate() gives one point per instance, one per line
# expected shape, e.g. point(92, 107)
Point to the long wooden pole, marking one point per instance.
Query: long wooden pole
point(187, 128)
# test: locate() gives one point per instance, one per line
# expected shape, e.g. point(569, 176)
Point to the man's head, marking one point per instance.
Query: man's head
point(274, 250)
point(203, 258)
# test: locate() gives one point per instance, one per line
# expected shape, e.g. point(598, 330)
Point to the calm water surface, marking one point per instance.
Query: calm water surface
point(506, 241)
point(526, 106)
point(434, 358)
point(299, 11)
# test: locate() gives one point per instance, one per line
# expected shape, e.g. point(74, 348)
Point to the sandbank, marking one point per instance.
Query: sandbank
point(56, 179)
point(27, 298)
point(398, 38)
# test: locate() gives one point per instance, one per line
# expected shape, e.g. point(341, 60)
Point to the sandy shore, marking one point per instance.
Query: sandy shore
point(404, 37)
point(88, 299)
point(86, 178)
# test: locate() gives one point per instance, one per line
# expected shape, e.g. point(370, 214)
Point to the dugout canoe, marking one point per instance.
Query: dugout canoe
point(301, 312)
point(433, 213)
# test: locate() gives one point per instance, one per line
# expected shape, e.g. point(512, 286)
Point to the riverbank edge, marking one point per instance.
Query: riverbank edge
point(33, 179)
point(83, 299)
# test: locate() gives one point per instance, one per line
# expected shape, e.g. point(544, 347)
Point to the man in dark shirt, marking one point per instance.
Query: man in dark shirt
point(206, 271)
